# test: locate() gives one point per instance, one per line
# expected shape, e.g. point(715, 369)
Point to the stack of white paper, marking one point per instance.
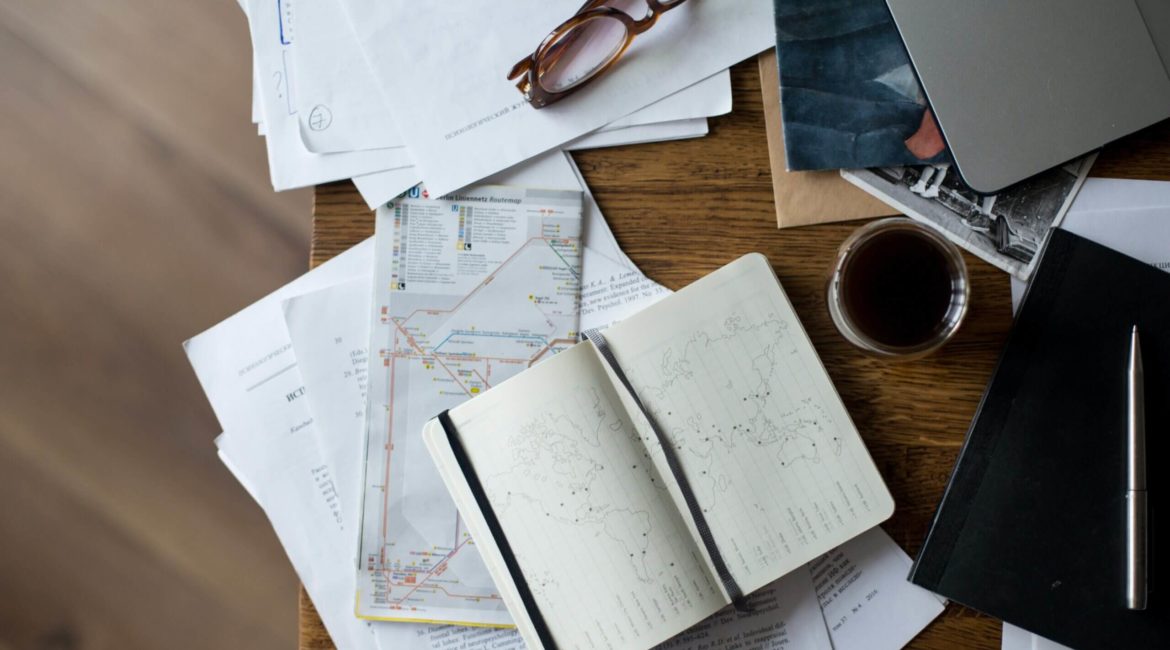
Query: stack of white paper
point(288, 377)
point(391, 94)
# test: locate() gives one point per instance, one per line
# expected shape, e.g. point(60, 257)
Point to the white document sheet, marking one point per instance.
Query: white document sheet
point(290, 164)
point(556, 170)
point(598, 234)
point(785, 615)
point(708, 98)
point(329, 332)
point(610, 291)
point(1129, 216)
point(1016, 638)
point(1142, 233)
point(641, 134)
point(284, 476)
point(867, 601)
point(340, 106)
point(257, 109)
point(247, 369)
point(1102, 194)
point(381, 187)
point(221, 441)
point(417, 636)
point(472, 121)
point(384, 636)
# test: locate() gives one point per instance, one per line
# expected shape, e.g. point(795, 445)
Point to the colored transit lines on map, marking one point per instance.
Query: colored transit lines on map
point(469, 291)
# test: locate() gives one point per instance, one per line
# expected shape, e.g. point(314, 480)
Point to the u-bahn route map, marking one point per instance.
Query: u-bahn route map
point(469, 290)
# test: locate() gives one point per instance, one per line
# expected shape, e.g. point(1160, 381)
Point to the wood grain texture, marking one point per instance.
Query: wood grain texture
point(682, 209)
point(312, 634)
point(136, 212)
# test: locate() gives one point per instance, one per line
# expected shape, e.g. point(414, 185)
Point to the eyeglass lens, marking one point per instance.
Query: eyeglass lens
point(580, 51)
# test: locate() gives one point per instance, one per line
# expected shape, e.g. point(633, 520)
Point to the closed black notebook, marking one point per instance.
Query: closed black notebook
point(1031, 526)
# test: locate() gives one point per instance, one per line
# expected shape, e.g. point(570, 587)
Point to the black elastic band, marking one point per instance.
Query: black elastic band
point(684, 486)
point(496, 531)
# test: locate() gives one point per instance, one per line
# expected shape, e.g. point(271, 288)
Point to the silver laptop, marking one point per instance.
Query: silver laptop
point(1020, 86)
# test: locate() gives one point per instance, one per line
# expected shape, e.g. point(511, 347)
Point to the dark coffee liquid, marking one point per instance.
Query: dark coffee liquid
point(896, 288)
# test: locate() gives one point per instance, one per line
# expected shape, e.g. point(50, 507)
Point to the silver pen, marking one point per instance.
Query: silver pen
point(1135, 480)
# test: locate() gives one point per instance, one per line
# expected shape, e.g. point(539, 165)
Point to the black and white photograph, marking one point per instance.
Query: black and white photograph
point(1006, 229)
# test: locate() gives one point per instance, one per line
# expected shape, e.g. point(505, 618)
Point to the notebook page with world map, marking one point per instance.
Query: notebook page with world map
point(728, 372)
point(603, 550)
point(585, 503)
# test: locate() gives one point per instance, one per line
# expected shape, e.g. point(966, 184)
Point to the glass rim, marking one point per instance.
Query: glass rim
point(950, 323)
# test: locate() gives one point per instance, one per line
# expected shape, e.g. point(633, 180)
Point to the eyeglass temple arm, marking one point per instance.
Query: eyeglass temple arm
point(522, 66)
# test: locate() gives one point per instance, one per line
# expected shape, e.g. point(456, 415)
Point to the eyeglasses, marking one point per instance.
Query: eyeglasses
point(584, 47)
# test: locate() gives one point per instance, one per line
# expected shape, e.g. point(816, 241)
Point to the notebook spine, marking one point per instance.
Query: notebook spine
point(497, 532)
point(729, 584)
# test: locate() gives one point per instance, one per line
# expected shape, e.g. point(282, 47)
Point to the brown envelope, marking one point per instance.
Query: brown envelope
point(804, 198)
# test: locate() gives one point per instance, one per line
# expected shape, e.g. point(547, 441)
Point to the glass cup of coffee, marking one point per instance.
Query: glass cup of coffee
point(898, 289)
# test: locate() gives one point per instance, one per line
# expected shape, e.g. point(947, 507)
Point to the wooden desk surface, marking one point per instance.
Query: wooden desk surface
point(683, 209)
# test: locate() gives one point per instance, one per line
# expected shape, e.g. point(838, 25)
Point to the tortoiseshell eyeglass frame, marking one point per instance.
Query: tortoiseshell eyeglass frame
point(554, 46)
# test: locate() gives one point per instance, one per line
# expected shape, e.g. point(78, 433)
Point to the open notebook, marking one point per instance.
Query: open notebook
point(568, 494)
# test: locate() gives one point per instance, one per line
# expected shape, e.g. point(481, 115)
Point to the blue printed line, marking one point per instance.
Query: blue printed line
point(280, 22)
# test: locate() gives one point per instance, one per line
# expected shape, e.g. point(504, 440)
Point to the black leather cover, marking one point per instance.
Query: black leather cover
point(1031, 526)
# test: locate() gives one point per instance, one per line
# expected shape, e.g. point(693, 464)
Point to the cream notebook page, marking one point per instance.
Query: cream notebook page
point(578, 481)
point(602, 547)
point(730, 376)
